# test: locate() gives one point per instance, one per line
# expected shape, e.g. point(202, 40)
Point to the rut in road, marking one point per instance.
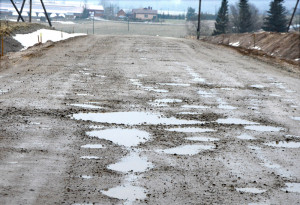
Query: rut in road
point(138, 119)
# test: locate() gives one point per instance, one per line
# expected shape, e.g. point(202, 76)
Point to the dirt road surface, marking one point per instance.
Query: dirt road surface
point(147, 120)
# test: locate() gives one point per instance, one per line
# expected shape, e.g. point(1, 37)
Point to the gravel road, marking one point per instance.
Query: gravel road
point(147, 120)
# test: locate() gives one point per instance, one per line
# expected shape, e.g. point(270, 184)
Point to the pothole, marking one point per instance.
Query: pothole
point(292, 187)
point(235, 121)
point(187, 149)
point(251, 190)
point(263, 128)
point(190, 129)
point(92, 146)
point(283, 144)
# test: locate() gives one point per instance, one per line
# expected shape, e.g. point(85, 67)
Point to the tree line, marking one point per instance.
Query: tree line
point(244, 18)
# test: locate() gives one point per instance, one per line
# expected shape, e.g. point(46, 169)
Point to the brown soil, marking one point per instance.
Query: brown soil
point(285, 46)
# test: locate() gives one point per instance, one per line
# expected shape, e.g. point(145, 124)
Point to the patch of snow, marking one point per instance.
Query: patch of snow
point(236, 44)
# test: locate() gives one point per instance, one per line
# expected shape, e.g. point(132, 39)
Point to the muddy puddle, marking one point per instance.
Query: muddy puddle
point(175, 84)
point(86, 177)
point(92, 146)
point(187, 149)
point(206, 94)
point(257, 86)
point(246, 137)
point(122, 137)
point(292, 187)
point(263, 128)
point(132, 163)
point(127, 192)
point(138, 83)
point(86, 106)
point(194, 107)
point(89, 157)
point(132, 118)
point(235, 121)
point(296, 118)
point(283, 144)
point(168, 100)
point(226, 107)
point(251, 190)
point(202, 139)
point(190, 129)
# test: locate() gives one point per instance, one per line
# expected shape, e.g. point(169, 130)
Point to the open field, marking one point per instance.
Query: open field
point(147, 120)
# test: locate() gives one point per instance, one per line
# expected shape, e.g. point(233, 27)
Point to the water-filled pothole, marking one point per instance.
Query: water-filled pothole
point(131, 163)
point(93, 146)
point(283, 144)
point(187, 149)
point(89, 157)
point(251, 190)
point(126, 192)
point(292, 187)
point(246, 137)
point(190, 129)
point(263, 128)
point(132, 118)
point(203, 139)
point(86, 106)
point(125, 137)
point(235, 121)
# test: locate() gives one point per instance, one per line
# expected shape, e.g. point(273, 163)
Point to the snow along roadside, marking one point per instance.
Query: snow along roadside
point(43, 35)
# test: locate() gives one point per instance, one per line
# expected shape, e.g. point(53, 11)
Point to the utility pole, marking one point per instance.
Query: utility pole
point(30, 10)
point(288, 28)
point(199, 24)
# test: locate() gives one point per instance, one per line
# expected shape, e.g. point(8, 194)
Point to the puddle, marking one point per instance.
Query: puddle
point(292, 136)
point(246, 137)
point(141, 75)
point(292, 187)
point(203, 139)
point(86, 106)
point(86, 177)
point(205, 94)
point(132, 163)
point(294, 106)
point(188, 113)
point(235, 121)
point(194, 107)
point(229, 89)
point(187, 149)
point(190, 129)
point(262, 128)
point(290, 91)
point(126, 192)
point(257, 86)
point(158, 104)
point(283, 144)
point(89, 157)
point(175, 84)
point(251, 190)
point(275, 95)
point(168, 101)
point(155, 90)
point(83, 94)
point(296, 118)
point(136, 82)
point(12, 162)
point(132, 118)
point(3, 91)
point(93, 146)
point(125, 137)
point(226, 107)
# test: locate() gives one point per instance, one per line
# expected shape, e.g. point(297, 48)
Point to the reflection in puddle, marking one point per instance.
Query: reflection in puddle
point(187, 149)
point(203, 139)
point(283, 144)
point(292, 187)
point(168, 100)
point(126, 192)
point(86, 177)
point(89, 157)
point(296, 118)
point(194, 107)
point(175, 84)
point(245, 137)
point(125, 137)
point(92, 146)
point(86, 106)
point(190, 129)
point(251, 190)
point(262, 128)
point(226, 107)
point(205, 94)
point(235, 121)
point(133, 163)
point(132, 118)
point(257, 86)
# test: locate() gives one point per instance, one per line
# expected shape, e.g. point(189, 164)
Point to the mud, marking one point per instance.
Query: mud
point(57, 149)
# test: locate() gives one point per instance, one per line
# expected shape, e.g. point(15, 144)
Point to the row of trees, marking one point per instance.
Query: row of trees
point(244, 18)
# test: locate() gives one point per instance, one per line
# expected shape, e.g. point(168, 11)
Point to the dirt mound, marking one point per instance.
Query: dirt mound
point(284, 46)
point(9, 29)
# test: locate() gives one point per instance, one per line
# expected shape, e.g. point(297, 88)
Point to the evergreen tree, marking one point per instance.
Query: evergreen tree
point(245, 23)
point(222, 19)
point(276, 19)
point(190, 15)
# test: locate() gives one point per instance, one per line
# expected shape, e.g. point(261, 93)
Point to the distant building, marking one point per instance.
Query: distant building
point(121, 13)
point(98, 10)
point(144, 13)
